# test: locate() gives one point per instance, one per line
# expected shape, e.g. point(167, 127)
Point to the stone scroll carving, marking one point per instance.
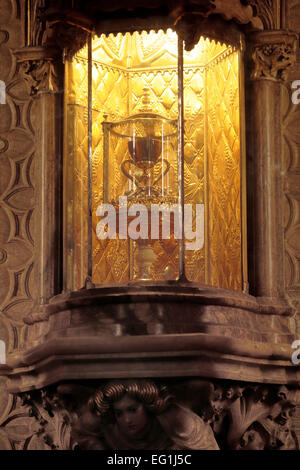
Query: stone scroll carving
point(147, 414)
point(38, 69)
point(39, 76)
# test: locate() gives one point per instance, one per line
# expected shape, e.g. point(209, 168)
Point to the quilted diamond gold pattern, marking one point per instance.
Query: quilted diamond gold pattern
point(123, 66)
point(224, 176)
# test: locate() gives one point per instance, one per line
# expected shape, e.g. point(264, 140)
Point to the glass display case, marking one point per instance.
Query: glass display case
point(142, 128)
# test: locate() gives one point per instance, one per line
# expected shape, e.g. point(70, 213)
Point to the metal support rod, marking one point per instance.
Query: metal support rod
point(206, 184)
point(243, 179)
point(180, 159)
point(90, 182)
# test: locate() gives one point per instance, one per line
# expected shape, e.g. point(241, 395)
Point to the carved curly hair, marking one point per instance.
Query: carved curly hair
point(155, 398)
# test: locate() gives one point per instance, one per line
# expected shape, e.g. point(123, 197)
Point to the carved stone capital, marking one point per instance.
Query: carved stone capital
point(39, 68)
point(191, 414)
point(40, 75)
point(274, 53)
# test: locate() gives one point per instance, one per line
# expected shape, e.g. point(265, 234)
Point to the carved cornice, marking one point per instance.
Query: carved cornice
point(273, 55)
point(37, 66)
point(69, 26)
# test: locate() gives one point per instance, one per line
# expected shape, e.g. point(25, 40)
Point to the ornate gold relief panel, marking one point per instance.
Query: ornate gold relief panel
point(224, 172)
point(76, 172)
point(212, 162)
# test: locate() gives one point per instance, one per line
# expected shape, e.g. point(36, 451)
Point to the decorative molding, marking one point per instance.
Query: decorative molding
point(36, 24)
point(274, 54)
point(69, 27)
point(264, 9)
point(216, 414)
point(239, 12)
point(219, 332)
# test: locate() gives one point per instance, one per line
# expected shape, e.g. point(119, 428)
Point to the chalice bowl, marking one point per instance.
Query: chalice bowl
point(148, 140)
point(145, 151)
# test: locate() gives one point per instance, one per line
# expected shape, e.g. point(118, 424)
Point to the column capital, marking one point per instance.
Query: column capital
point(274, 53)
point(38, 66)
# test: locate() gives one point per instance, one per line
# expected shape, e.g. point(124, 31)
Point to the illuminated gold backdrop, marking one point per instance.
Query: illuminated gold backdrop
point(75, 172)
point(123, 66)
point(223, 173)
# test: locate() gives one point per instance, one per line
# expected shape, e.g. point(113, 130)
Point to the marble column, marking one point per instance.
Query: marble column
point(272, 54)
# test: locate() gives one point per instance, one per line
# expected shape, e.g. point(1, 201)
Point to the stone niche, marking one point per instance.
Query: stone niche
point(182, 363)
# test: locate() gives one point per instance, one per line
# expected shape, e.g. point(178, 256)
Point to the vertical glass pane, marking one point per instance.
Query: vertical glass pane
point(76, 171)
point(212, 161)
point(135, 154)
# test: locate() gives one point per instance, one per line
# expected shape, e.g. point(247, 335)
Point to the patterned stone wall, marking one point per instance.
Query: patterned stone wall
point(291, 188)
point(16, 214)
point(291, 168)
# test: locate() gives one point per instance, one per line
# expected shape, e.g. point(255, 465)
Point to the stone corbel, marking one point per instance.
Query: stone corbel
point(274, 53)
point(69, 37)
point(52, 25)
